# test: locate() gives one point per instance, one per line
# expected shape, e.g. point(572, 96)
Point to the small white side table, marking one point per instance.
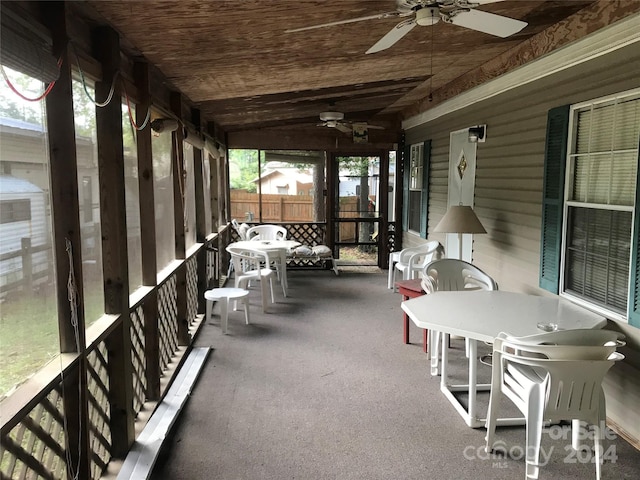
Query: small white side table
point(223, 295)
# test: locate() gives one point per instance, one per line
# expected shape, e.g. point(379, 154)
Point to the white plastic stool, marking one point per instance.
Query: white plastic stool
point(223, 295)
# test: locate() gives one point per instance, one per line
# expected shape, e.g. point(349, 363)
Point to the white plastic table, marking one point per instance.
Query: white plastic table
point(480, 316)
point(223, 295)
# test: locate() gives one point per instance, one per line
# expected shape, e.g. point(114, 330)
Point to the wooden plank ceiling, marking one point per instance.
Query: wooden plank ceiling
point(236, 62)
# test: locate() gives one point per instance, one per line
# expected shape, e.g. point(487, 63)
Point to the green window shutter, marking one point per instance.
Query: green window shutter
point(405, 194)
point(553, 197)
point(634, 298)
point(424, 209)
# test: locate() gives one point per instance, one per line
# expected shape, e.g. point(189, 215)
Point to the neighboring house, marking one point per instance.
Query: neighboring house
point(285, 181)
point(556, 185)
point(23, 227)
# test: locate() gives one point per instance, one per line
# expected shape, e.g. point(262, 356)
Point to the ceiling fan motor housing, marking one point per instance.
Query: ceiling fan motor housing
point(331, 116)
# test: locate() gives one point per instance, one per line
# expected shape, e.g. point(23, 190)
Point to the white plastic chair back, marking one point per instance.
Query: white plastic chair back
point(412, 260)
point(267, 232)
point(248, 265)
point(451, 274)
point(240, 229)
point(552, 377)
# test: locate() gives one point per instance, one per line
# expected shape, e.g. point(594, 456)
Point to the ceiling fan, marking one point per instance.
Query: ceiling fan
point(429, 12)
point(334, 119)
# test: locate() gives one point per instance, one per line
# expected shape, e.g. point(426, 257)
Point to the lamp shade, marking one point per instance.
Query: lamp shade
point(460, 219)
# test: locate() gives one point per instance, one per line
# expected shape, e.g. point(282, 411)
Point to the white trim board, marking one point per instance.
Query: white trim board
point(144, 452)
point(606, 40)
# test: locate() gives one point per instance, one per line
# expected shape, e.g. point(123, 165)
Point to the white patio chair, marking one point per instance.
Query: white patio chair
point(267, 232)
point(553, 377)
point(451, 274)
point(249, 265)
point(412, 260)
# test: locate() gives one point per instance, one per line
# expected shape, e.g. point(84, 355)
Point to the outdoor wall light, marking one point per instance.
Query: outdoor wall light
point(160, 125)
point(477, 133)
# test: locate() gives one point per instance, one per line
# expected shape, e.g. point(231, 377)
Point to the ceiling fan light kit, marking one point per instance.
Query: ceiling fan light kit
point(428, 16)
point(331, 116)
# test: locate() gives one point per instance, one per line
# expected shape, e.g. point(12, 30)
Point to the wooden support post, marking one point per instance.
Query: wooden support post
point(106, 45)
point(179, 203)
point(201, 212)
point(66, 231)
point(383, 209)
point(148, 233)
point(27, 264)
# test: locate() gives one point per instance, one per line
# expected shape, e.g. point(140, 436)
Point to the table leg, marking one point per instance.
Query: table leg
point(406, 322)
point(425, 341)
point(473, 377)
point(224, 319)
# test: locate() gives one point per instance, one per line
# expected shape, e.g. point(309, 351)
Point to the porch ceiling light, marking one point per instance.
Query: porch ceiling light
point(477, 133)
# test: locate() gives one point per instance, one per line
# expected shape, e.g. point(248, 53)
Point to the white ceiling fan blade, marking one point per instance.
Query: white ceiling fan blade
point(486, 22)
point(395, 34)
point(342, 22)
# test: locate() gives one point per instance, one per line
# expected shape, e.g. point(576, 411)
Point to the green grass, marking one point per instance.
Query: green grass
point(29, 333)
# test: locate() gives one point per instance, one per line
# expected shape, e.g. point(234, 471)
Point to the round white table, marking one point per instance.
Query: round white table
point(223, 295)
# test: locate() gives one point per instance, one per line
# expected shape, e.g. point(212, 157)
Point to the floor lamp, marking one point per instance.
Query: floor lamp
point(460, 219)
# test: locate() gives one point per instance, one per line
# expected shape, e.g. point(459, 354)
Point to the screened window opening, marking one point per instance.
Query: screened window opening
point(28, 305)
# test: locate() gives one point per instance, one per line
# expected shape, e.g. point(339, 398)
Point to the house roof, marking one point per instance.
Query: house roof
point(11, 184)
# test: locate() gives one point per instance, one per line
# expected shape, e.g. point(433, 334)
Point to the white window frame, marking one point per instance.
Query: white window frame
point(569, 176)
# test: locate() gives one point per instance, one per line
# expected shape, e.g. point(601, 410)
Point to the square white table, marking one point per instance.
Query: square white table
point(481, 316)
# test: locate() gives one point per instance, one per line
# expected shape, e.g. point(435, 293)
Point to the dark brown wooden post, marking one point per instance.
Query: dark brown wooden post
point(148, 233)
point(66, 231)
point(106, 44)
point(332, 171)
point(383, 208)
point(177, 160)
point(201, 223)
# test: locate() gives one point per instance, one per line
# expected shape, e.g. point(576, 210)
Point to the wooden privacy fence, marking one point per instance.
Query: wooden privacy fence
point(275, 208)
point(245, 206)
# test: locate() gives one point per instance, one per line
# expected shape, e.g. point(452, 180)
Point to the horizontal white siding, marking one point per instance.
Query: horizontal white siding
point(508, 192)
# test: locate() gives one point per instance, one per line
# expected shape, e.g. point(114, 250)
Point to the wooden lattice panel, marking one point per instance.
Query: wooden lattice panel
point(168, 320)
point(192, 289)
point(309, 234)
point(98, 410)
point(35, 447)
point(138, 359)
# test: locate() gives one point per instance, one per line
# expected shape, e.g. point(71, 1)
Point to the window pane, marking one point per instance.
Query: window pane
point(89, 199)
point(28, 312)
point(189, 197)
point(132, 198)
point(163, 196)
point(598, 256)
point(289, 188)
point(415, 203)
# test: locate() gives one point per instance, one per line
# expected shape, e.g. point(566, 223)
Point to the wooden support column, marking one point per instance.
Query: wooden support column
point(201, 222)
point(148, 233)
point(383, 208)
point(66, 232)
point(216, 202)
point(332, 175)
point(179, 180)
point(106, 45)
